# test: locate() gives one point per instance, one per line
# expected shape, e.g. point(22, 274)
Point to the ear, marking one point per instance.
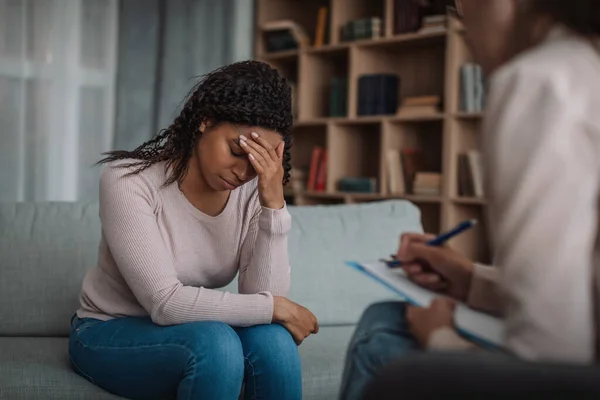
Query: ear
point(202, 126)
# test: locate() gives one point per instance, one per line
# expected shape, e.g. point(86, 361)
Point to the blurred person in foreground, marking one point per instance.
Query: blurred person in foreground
point(541, 145)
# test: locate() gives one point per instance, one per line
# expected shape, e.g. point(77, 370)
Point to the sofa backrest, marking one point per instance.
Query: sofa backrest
point(46, 249)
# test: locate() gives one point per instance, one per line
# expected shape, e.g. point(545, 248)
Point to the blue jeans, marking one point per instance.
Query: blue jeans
point(137, 359)
point(381, 337)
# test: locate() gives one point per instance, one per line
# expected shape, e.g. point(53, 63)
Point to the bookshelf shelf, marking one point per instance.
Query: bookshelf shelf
point(328, 48)
point(287, 55)
point(403, 40)
point(361, 146)
point(469, 201)
point(417, 118)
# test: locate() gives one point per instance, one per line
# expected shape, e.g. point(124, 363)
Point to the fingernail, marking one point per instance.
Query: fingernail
point(243, 143)
point(242, 137)
point(250, 156)
point(254, 135)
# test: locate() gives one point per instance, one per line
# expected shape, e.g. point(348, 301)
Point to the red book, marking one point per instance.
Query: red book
point(314, 168)
point(322, 174)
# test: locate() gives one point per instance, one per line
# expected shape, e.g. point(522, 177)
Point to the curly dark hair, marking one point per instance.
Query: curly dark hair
point(247, 93)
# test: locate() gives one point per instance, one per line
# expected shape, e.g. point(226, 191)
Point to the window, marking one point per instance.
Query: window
point(57, 96)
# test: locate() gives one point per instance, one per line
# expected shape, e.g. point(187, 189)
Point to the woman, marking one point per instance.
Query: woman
point(541, 137)
point(181, 215)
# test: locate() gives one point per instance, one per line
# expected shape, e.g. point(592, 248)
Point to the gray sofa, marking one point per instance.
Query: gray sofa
point(46, 248)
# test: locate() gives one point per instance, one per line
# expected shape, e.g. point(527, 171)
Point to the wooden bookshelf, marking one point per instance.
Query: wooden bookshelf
point(356, 145)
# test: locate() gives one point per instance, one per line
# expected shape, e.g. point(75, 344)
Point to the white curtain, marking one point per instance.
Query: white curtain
point(57, 84)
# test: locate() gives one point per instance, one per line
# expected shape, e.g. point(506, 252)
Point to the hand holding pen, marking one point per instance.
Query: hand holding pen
point(434, 267)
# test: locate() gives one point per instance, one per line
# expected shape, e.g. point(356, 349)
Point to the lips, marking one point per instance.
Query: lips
point(230, 185)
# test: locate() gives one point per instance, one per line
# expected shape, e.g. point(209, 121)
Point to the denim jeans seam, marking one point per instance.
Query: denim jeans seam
point(80, 371)
point(254, 394)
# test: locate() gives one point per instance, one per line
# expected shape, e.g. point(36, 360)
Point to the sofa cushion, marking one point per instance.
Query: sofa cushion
point(38, 368)
point(323, 237)
point(322, 357)
point(47, 248)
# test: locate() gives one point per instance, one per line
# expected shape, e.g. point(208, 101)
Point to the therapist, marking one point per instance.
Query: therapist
point(541, 145)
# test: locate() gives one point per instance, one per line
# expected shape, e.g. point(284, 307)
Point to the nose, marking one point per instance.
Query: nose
point(243, 170)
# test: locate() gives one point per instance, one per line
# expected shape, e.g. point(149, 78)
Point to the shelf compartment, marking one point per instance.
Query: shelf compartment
point(357, 149)
point(420, 68)
point(426, 136)
point(304, 13)
point(319, 68)
point(345, 11)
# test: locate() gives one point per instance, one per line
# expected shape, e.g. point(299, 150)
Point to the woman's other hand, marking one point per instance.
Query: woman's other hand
point(298, 320)
point(268, 164)
point(436, 268)
point(423, 321)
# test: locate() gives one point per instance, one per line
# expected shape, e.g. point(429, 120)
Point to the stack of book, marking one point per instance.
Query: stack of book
point(472, 88)
point(420, 106)
point(317, 174)
point(284, 35)
point(357, 185)
point(434, 24)
point(427, 184)
point(470, 175)
point(338, 98)
point(367, 28)
point(378, 94)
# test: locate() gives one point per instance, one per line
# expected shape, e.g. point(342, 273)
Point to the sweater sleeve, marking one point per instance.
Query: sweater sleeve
point(542, 172)
point(264, 261)
point(129, 223)
point(484, 294)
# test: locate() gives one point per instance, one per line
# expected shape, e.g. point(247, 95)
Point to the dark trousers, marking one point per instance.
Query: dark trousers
point(486, 376)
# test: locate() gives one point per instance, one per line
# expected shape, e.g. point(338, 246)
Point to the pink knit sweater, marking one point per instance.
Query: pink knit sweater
point(161, 257)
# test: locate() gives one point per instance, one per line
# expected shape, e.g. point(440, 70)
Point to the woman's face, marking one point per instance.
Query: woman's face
point(489, 28)
point(223, 164)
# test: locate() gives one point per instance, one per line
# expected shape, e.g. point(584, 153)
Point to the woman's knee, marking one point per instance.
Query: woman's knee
point(216, 346)
point(380, 316)
point(271, 343)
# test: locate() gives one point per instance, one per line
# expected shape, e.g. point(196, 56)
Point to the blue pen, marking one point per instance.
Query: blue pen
point(443, 238)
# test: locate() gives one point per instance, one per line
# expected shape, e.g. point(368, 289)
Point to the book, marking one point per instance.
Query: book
point(321, 182)
point(285, 35)
point(321, 27)
point(476, 172)
point(407, 16)
point(360, 29)
point(420, 106)
point(314, 168)
point(481, 328)
point(472, 88)
point(412, 161)
point(465, 177)
point(427, 183)
point(378, 94)
point(338, 96)
point(357, 185)
point(395, 172)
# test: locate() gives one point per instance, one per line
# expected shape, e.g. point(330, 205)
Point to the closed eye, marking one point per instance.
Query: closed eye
point(234, 152)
